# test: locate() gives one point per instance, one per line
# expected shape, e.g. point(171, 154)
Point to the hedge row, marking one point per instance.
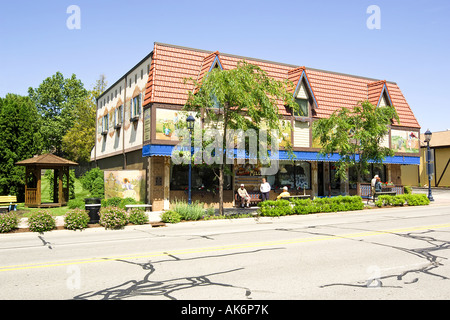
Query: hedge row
point(278, 208)
point(402, 199)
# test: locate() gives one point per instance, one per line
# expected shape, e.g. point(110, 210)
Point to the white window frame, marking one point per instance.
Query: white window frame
point(136, 106)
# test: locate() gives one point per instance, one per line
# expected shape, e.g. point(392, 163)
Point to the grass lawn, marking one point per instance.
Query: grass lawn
point(80, 193)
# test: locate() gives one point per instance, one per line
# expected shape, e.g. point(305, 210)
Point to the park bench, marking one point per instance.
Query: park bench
point(255, 198)
point(7, 203)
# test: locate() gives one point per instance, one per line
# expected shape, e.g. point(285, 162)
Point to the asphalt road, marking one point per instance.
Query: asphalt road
point(398, 253)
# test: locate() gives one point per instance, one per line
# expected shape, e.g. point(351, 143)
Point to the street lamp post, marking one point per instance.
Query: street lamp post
point(190, 125)
point(429, 171)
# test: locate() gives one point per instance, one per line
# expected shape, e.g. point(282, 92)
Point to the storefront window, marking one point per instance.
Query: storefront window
point(294, 176)
point(379, 169)
point(203, 178)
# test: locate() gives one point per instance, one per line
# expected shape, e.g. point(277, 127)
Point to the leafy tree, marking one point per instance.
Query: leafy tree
point(20, 139)
point(79, 140)
point(241, 98)
point(356, 135)
point(56, 99)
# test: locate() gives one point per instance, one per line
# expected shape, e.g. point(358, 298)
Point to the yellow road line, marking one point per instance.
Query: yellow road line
point(219, 248)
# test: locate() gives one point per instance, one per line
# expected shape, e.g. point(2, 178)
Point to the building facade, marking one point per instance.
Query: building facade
point(138, 115)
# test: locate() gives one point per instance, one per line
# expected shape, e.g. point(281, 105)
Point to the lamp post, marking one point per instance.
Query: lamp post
point(190, 125)
point(429, 171)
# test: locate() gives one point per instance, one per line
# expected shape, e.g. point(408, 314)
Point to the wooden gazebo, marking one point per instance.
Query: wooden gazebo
point(33, 170)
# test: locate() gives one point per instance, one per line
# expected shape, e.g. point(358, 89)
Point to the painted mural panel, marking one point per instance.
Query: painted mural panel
point(147, 124)
point(167, 121)
point(125, 184)
point(405, 141)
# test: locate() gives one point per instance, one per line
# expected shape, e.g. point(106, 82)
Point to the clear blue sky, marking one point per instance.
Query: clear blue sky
point(411, 48)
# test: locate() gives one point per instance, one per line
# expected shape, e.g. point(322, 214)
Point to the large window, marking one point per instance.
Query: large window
point(203, 178)
point(294, 176)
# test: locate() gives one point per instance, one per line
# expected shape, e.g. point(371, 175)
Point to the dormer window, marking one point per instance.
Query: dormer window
point(304, 108)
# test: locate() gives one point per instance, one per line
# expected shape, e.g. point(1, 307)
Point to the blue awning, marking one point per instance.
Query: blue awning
point(166, 151)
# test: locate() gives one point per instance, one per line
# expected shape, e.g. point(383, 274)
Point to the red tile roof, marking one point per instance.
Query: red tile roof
point(172, 64)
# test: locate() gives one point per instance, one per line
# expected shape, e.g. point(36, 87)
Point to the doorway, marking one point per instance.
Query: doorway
point(320, 179)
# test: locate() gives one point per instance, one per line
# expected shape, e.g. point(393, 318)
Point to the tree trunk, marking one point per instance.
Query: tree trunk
point(358, 179)
point(221, 190)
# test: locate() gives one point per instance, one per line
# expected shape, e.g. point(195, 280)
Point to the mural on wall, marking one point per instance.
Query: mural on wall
point(167, 121)
point(405, 141)
point(125, 184)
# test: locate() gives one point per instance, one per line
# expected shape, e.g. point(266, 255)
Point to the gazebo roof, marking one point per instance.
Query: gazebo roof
point(48, 159)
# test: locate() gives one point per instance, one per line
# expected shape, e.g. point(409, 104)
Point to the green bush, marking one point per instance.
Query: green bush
point(76, 204)
point(118, 202)
point(170, 217)
point(306, 206)
point(417, 199)
point(400, 200)
point(8, 222)
point(113, 218)
point(93, 181)
point(275, 208)
point(76, 219)
point(408, 190)
point(137, 216)
point(193, 211)
point(98, 188)
point(41, 221)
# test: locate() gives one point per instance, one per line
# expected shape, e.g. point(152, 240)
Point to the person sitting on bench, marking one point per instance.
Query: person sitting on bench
point(378, 185)
point(245, 197)
point(285, 193)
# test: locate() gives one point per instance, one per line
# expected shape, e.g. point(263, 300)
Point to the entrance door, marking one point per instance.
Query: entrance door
point(320, 180)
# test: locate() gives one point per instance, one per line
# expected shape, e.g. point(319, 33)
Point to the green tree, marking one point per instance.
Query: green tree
point(55, 99)
point(241, 98)
point(79, 140)
point(20, 139)
point(356, 135)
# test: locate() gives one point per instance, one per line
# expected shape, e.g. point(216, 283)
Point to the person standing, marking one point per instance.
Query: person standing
point(265, 189)
point(372, 185)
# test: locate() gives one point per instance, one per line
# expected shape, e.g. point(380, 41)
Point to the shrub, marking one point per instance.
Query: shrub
point(186, 211)
point(98, 188)
point(76, 219)
point(93, 181)
point(400, 200)
point(170, 217)
point(408, 190)
point(137, 216)
point(113, 218)
point(112, 202)
point(8, 222)
point(76, 204)
point(118, 202)
point(275, 208)
point(306, 206)
point(417, 199)
point(41, 221)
